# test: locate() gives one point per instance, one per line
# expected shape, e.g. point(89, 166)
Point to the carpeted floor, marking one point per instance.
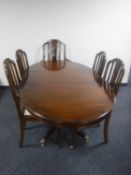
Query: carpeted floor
point(94, 158)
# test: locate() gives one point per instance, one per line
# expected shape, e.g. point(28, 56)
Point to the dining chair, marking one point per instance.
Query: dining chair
point(112, 79)
point(111, 82)
point(22, 62)
point(113, 74)
point(99, 63)
point(15, 84)
point(54, 50)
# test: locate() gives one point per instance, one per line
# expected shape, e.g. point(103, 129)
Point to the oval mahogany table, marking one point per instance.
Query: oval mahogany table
point(65, 94)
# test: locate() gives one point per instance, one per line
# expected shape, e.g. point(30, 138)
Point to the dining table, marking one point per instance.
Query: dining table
point(66, 94)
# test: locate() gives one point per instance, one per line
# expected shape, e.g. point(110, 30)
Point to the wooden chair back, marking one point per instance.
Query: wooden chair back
point(22, 61)
point(114, 73)
point(99, 63)
point(14, 82)
point(54, 50)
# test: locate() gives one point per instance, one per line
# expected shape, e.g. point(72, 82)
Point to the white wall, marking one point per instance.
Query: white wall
point(85, 26)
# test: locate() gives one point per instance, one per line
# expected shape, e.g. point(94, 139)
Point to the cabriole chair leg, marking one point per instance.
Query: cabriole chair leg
point(106, 126)
point(22, 127)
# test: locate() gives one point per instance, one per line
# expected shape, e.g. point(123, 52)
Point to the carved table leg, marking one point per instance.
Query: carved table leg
point(58, 132)
point(83, 135)
point(48, 134)
point(72, 145)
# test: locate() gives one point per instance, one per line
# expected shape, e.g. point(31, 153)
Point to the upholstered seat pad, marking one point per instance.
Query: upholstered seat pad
point(27, 112)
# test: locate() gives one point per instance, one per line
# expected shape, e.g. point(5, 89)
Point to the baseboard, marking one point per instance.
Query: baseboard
point(124, 84)
point(4, 87)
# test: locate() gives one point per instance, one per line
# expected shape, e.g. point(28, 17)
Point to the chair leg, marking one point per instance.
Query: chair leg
point(22, 127)
point(106, 126)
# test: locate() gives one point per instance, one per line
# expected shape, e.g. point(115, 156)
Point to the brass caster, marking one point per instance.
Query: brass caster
point(71, 146)
point(42, 145)
point(87, 138)
point(42, 142)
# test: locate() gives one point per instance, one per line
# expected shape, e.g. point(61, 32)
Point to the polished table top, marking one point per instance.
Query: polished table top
point(64, 94)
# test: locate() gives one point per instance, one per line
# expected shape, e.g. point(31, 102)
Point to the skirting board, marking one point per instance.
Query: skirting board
point(124, 84)
point(2, 87)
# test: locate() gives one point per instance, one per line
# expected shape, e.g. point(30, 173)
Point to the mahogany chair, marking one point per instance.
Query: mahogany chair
point(113, 74)
point(22, 62)
point(54, 50)
point(15, 84)
point(111, 82)
point(99, 63)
